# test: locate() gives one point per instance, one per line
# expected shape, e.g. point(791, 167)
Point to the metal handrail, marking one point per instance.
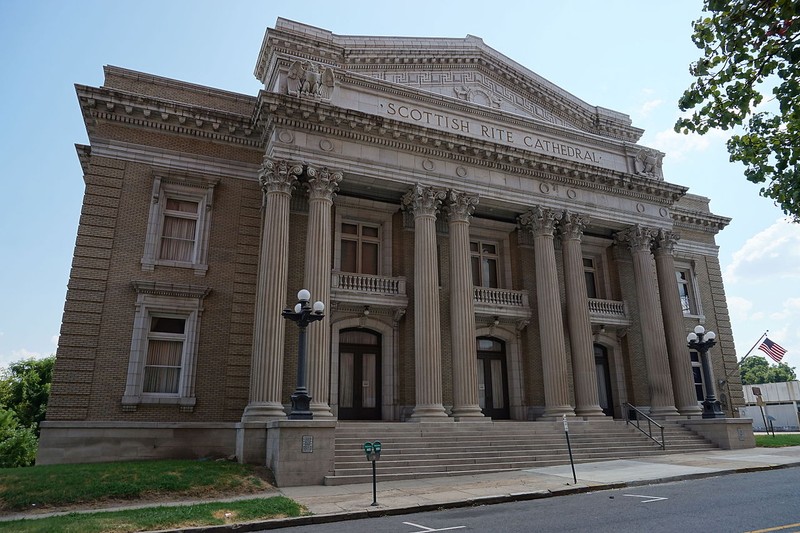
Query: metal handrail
point(650, 424)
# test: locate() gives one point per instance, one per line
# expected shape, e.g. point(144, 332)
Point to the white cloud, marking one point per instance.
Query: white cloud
point(771, 254)
point(739, 307)
point(649, 106)
point(679, 146)
point(18, 355)
point(54, 340)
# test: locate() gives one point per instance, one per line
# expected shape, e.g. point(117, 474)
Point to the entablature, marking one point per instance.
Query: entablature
point(131, 109)
point(298, 114)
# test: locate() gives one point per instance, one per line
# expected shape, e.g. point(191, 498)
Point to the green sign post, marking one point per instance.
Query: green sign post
point(373, 452)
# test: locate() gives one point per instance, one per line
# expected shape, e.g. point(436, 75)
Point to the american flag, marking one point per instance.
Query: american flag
point(772, 349)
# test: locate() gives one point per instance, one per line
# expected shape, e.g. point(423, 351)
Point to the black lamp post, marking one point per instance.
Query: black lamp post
point(701, 341)
point(303, 315)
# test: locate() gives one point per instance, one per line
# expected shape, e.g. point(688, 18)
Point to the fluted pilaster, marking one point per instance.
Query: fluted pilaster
point(662, 400)
point(672, 312)
point(584, 372)
point(322, 185)
point(462, 308)
point(424, 202)
point(541, 223)
point(277, 178)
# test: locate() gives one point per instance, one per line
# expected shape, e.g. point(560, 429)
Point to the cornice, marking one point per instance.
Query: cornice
point(290, 41)
point(698, 220)
point(103, 104)
point(277, 110)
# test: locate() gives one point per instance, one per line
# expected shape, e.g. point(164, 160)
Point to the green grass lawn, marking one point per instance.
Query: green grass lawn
point(77, 486)
point(778, 441)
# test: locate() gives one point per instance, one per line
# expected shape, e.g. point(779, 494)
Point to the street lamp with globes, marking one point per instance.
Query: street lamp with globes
point(303, 314)
point(701, 341)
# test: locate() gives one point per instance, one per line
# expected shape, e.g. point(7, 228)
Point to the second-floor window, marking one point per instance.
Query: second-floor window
point(179, 230)
point(688, 305)
point(590, 274)
point(360, 248)
point(484, 257)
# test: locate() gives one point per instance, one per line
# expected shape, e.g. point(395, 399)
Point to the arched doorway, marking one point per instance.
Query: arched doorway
point(359, 375)
point(492, 378)
point(603, 379)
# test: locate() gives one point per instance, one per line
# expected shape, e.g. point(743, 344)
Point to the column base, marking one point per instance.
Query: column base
point(260, 412)
point(554, 412)
point(589, 412)
point(692, 411)
point(322, 411)
point(664, 412)
point(468, 412)
point(428, 412)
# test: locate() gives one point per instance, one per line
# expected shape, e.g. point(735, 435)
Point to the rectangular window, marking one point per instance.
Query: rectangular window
point(484, 258)
point(360, 247)
point(164, 344)
point(591, 277)
point(179, 230)
point(684, 280)
point(697, 373)
point(179, 223)
point(162, 369)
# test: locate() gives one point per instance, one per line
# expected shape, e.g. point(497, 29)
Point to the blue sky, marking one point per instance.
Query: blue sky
point(630, 56)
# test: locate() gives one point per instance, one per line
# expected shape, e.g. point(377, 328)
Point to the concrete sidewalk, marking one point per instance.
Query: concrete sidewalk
point(348, 502)
point(397, 497)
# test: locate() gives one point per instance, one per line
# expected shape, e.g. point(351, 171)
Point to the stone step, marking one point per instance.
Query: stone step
point(418, 450)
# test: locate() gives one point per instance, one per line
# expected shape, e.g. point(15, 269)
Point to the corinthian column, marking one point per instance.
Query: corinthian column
point(541, 222)
point(322, 185)
point(266, 371)
point(671, 310)
point(584, 372)
point(662, 401)
point(424, 202)
point(462, 309)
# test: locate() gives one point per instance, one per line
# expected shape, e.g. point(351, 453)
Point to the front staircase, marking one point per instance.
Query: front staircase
point(419, 450)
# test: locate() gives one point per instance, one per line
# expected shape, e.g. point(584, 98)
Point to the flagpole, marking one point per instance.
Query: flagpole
point(739, 364)
point(753, 348)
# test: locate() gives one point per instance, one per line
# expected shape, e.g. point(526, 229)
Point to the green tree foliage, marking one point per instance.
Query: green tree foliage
point(755, 370)
point(18, 444)
point(749, 45)
point(25, 389)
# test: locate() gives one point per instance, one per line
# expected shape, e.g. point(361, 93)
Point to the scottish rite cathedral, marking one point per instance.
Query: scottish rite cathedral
point(488, 248)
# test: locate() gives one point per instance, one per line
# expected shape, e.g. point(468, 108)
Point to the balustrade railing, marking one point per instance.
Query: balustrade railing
point(366, 283)
point(606, 307)
point(504, 297)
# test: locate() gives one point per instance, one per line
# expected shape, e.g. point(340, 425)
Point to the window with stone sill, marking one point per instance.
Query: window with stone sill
point(179, 222)
point(485, 256)
point(690, 304)
point(163, 358)
point(360, 247)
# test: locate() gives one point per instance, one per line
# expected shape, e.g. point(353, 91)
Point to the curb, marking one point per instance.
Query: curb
point(281, 523)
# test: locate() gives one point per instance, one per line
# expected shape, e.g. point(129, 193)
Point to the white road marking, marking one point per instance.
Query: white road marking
point(428, 529)
point(651, 498)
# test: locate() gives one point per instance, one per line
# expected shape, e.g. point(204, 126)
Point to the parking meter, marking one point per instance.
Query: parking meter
point(372, 450)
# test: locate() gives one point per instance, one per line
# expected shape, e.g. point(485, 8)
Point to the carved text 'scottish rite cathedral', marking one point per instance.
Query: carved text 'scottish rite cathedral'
point(493, 253)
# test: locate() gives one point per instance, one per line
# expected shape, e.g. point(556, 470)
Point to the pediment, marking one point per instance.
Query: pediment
point(465, 69)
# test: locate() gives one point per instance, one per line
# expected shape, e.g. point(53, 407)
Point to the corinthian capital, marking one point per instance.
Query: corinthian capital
point(423, 201)
point(572, 225)
point(539, 220)
point(460, 206)
point(638, 238)
point(322, 183)
point(665, 241)
point(278, 175)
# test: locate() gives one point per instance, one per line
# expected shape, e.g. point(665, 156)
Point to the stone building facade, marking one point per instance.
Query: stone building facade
point(487, 246)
